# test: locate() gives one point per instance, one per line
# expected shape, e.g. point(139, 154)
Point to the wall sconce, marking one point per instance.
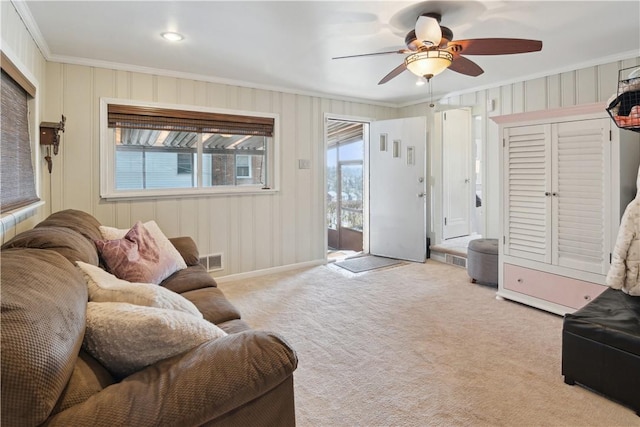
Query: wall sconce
point(49, 136)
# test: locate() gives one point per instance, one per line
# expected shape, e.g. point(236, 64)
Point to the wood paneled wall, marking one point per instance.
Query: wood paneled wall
point(253, 232)
point(18, 45)
point(259, 231)
point(584, 86)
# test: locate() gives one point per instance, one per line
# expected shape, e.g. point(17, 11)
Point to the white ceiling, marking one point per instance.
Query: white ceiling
point(288, 45)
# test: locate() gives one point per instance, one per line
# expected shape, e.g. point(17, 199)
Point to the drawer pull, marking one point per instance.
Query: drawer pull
point(587, 297)
point(519, 280)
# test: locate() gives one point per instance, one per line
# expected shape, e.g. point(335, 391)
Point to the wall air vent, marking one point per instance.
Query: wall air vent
point(212, 262)
point(456, 260)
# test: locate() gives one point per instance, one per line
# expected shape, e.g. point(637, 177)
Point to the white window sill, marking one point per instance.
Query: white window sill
point(11, 219)
point(185, 193)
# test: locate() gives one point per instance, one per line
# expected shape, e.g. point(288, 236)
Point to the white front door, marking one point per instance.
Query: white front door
point(457, 185)
point(397, 189)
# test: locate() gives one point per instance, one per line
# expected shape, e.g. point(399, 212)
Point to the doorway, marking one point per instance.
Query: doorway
point(376, 188)
point(458, 176)
point(345, 186)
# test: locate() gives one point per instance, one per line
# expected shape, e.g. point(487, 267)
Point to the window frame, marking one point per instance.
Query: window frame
point(248, 166)
point(180, 163)
point(108, 154)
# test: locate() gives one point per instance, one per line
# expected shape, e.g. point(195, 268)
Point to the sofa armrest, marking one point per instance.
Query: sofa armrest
point(187, 248)
point(190, 389)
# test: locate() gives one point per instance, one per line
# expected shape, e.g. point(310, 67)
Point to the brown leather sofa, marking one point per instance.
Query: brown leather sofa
point(601, 347)
point(243, 378)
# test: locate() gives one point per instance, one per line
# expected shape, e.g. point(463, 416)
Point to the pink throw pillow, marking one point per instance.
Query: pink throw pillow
point(135, 257)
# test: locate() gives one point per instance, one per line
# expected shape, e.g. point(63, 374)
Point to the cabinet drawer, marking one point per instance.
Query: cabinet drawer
point(550, 287)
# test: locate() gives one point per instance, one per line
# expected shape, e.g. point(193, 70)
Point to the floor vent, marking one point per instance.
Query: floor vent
point(212, 262)
point(456, 260)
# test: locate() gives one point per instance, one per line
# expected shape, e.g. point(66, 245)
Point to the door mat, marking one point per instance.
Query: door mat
point(366, 263)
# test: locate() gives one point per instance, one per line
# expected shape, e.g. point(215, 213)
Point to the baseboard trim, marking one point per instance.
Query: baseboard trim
point(267, 271)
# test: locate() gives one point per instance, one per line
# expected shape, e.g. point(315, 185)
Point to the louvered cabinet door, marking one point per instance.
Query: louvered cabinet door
point(527, 185)
point(581, 176)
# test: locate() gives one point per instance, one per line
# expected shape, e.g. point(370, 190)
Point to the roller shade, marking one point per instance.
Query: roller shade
point(152, 118)
point(17, 183)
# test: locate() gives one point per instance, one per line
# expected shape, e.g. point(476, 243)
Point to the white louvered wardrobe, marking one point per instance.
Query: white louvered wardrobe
point(567, 175)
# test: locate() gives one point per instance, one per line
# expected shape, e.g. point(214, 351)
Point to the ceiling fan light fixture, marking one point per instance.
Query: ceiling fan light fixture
point(172, 36)
point(428, 63)
point(428, 30)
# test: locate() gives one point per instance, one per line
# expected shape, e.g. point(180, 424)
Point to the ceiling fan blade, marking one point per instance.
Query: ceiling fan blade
point(465, 66)
point(496, 46)
point(395, 72)
point(372, 54)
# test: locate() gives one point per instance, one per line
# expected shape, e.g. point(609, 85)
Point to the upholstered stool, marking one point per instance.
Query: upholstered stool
point(482, 261)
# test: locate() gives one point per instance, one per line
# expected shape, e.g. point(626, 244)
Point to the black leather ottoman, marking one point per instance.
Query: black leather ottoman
point(601, 347)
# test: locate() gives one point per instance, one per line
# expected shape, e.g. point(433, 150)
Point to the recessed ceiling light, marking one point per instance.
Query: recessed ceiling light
point(172, 37)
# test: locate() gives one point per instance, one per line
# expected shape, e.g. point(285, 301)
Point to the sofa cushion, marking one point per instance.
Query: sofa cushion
point(187, 248)
point(165, 246)
point(234, 326)
point(44, 299)
point(213, 305)
point(105, 287)
point(189, 279)
point(68, 243)
point(88, 378)
point(136, 257)
point(208, 385)
point(76, 220)
point(126, 338)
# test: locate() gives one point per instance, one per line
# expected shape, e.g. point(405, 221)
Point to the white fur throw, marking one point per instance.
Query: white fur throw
point(105, 287)
point(125, 338)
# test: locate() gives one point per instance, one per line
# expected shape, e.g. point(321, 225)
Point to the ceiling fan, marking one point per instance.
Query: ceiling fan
point(431, 50)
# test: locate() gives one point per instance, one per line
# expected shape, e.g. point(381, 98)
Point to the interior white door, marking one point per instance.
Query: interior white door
point(397, 189)
point(457, 185)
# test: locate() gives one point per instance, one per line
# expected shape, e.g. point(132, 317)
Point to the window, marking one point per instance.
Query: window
point(158, 150)
point(16, 169)
point(185, 163)
point(243, 166)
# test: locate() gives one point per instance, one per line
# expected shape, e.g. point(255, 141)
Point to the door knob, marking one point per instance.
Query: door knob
point(466, 181)
point(421, 194)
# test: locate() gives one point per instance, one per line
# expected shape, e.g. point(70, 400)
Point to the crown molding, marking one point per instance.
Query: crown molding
point(206, 78)
point(33, 29)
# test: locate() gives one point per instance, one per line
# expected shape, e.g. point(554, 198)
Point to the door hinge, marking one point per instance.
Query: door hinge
point(504, 240)
point(444, 115)
point(445, 220)
point(610, 257)
point(503, 142)
point(610, 135)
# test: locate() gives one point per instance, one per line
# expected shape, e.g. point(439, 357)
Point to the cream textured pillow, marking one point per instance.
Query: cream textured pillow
point(105, 287)
point(164, 244)
point(125, 338)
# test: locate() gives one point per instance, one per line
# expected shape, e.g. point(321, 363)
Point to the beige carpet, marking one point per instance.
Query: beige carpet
point(418, 345)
